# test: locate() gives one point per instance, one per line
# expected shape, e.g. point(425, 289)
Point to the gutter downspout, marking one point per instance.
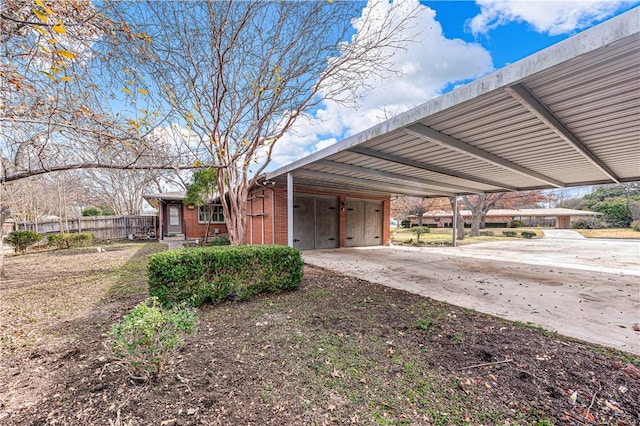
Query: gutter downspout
point(273, 215)
point(289, 209)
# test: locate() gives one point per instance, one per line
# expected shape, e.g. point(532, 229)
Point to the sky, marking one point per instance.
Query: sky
point(456, 42)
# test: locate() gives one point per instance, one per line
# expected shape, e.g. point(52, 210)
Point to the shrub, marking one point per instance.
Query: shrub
point(509, 233)
point(528, 234)
point(222, 240)
point(406, 223)
point(68, 240)
point(487, 233)
point(516, 224)
point(197, 275)
point(146, 338)
point(588, 222)
point(419, 230)
point(22, 240)
point(495, 225)
point(635, 225)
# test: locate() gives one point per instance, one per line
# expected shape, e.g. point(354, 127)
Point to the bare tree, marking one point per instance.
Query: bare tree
point(237, 75)
point(481, 204)
point(406, 206)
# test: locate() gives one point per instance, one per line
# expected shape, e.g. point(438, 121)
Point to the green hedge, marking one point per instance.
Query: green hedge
point(22, 240)
point(198, 275)
point(68, 240)
point(528, 234)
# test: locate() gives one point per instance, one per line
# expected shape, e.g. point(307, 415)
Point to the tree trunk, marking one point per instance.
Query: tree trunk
point(476, 221)
point(234, 206)
point(3, 216)
point(206, 230)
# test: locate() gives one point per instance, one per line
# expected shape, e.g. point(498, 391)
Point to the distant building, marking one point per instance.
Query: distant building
point(557, 218)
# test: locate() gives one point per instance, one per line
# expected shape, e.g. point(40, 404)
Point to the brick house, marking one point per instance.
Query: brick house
point(321, 218)
point(559, 218)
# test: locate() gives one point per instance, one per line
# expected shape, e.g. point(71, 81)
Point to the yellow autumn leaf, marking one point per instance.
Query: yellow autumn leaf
point(55, 69)
point(44, 49)
point(196, 164)
point(143, 92)
point(52, 41)
point(48, 74)
point(39, 3)
point(66, 54)
point(127, 91)
point(59, 29)
point(144, 111)
point(40, 29)
point(66, 78)
point(41, 15)
point(130, 82)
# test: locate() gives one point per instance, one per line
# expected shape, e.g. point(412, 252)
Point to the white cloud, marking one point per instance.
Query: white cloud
point(552, 17)
point(427, 66)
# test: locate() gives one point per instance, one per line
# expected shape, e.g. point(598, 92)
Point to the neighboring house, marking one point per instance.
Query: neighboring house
point(559, 218)
point(321, 219)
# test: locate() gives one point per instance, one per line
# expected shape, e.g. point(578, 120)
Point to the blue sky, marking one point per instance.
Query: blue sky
point(457, 42)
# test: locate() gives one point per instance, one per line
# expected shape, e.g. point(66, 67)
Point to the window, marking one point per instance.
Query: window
point(216, 213)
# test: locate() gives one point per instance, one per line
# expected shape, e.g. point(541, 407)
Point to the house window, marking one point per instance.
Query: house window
point(217, 215)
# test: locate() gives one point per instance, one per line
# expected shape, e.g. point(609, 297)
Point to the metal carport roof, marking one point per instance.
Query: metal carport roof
point(566, 116)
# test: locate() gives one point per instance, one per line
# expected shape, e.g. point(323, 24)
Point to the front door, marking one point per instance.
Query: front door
point(174, 219)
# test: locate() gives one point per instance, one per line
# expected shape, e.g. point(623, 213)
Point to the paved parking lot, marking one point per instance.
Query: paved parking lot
point(583, 288)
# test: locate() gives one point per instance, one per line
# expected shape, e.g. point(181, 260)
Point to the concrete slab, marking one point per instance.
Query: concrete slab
point(587, 289)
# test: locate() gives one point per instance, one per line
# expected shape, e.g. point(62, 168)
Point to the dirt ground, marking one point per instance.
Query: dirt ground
point(585, 289)
point(339, 350)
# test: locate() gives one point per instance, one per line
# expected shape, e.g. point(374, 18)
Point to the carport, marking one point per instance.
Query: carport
point(566, 116)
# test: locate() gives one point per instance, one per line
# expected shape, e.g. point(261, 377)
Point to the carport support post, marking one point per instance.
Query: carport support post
point(289, 209)
point(455, 220)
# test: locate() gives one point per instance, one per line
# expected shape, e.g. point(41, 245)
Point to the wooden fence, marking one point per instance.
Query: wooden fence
point(102, 227)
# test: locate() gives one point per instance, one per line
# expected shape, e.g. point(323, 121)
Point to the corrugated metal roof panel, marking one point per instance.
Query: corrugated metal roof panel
point(589, 83)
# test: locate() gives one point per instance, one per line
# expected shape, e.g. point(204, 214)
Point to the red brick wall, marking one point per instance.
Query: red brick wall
point(262, 201)
point(193, 229)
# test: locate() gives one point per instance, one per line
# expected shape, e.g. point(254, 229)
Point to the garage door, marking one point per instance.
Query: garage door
point(315, 222)
point(364, 223)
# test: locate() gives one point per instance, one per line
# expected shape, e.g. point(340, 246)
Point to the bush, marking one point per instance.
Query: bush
point(222, 240)
point(22, 240)
point(635, 225)
point(528, 234)
point(516, 224)
point(419, 230)
point(487, 233)
point(406, 223)
point(509, 233)
point(146, 337)
point(68, 240)
point(588, 222)
point(197, 275)
point(495, 225)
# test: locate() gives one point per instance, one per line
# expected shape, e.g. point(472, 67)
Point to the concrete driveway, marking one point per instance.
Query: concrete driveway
point(583, 288)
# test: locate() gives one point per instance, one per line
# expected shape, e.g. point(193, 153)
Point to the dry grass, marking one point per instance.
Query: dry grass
point(610, 233)
point(444, 235)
